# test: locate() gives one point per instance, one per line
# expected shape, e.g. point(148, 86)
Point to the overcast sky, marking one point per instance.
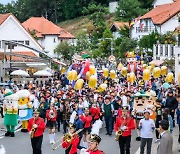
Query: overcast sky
point(5, 1)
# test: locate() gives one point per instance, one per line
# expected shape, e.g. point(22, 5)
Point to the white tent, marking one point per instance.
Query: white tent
point(42, 73)
point(20, 73)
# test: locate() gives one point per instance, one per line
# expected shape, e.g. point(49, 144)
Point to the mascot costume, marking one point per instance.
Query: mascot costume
point(25, 108)
point(131, 59)
point(10, 106)
point(140, 100)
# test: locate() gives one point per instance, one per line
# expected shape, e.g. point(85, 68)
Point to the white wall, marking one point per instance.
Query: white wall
point(161, 2)
point(177, 62)
point(113, 7)
point(12, 30)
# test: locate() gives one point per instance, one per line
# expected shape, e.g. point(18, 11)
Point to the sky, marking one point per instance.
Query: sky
point(5, 1)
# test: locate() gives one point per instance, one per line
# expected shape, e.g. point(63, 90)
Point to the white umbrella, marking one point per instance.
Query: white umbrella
point(20, 73)
point(42, 73)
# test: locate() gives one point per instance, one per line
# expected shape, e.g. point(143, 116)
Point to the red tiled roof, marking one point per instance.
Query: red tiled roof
point(120, 25)
point(163, 13)
point(20, 59)
point(3, 17)
point(45, 27)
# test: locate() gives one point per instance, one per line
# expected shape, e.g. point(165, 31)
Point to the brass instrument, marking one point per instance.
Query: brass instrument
point(119, 133)
point(67, 137)
point(52, 114)
point(32, 132)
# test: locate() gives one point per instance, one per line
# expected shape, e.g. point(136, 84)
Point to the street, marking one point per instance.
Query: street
point(21, 144)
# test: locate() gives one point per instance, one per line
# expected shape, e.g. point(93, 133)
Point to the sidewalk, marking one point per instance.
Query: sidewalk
point(3, 128)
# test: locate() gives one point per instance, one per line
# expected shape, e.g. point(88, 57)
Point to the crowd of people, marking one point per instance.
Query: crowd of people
point(59, 104)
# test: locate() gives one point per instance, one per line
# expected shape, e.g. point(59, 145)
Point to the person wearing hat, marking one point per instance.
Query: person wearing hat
point(166, 141)
point(36, 127)
point(125, 124)
point(93, 143)
point(171, 104)
point(51, 116)
point(146, 126)
point(70, 146)
point(108, 110)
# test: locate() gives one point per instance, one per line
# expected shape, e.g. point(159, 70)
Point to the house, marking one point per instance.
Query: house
point(113, 6)
point(162, 18)
point(15, 56)
point(48, 34)
point(161, 2)
point(116, 27)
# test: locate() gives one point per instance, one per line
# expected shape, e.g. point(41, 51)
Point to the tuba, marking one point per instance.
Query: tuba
point(119, 133)
point(52, 114)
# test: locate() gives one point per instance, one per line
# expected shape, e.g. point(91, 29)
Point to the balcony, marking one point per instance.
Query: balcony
point(145, 29)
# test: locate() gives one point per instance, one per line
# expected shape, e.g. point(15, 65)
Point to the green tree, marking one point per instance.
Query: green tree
point(65, 51)
point(128, 10)
point(146, 4)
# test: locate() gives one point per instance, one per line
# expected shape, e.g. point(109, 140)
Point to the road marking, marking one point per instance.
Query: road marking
point(1, 137)
point(138, 151)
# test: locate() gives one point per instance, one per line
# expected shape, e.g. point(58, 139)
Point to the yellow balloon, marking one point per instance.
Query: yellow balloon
point(112, 74)
point(124, 71)
point(105, 72)
point(120, 66)
point(92, 82)
point(92, 70)
point(132, 77)
point(150, 68)
point(145, 66)
point(74, 75)
point(88, 74)
point(69, 75)
point(128, 77)
point(102, 87)
point(169, 77)
point(63, 70)
point(146, 75)
point(152, 64)
point(79, 84)
point(156, 72)
point(163, 70)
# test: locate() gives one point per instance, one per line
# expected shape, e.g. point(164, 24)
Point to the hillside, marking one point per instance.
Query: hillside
point(80, 24)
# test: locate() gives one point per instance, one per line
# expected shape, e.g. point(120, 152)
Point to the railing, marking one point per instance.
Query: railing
point(145, 29)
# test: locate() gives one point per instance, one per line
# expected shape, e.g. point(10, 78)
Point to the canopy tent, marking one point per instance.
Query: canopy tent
point(20, 73)
point(42, 73)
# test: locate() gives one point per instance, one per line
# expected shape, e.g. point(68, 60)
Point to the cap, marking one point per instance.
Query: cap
point(36, 111)
point(72, 126)
point(107, 97)
point(147, 111)
point(125, 108)
point(95, 138)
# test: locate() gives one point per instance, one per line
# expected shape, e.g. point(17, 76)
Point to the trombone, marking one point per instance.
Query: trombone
point(67, 137)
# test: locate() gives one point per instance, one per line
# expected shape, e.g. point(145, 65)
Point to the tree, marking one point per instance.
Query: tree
point(65, 50)
point(146, 4)
point(128, 10)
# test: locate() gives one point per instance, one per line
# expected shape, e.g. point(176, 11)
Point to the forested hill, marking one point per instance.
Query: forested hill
point(58, 10)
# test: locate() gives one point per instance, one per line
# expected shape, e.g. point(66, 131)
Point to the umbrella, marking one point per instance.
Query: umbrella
point(42, 73)
point(20, 73)
point(166, 85)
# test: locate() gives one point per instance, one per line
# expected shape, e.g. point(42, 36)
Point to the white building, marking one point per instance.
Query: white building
point(163, 18)
point(177, 62)
point(17, 57)
point(161, 2)
point(113, 6)
point(49, 35)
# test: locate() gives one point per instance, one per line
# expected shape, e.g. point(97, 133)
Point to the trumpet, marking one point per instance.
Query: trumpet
point(68, 138)
point(119, 133)
point(52, 114)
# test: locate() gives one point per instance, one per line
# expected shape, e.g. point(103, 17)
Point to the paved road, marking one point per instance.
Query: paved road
point(21, 144)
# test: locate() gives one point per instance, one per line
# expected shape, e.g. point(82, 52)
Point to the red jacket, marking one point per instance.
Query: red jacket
point(47, 115)
point(87, 120)
point(95, 112)
point(40, 128)
point(95, 152)
point(74, 143)
point(129, 123)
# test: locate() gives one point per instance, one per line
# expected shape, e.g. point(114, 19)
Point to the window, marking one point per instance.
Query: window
point(172, 50)
point(26, 42)
point(156, 49)
point(179, 62)
point(166, 50)
point(178, 55)
point(161, 50)
point(157, 58)
point(179, 19)
point(54, 40)
point(0, 44)
point(179, 40)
